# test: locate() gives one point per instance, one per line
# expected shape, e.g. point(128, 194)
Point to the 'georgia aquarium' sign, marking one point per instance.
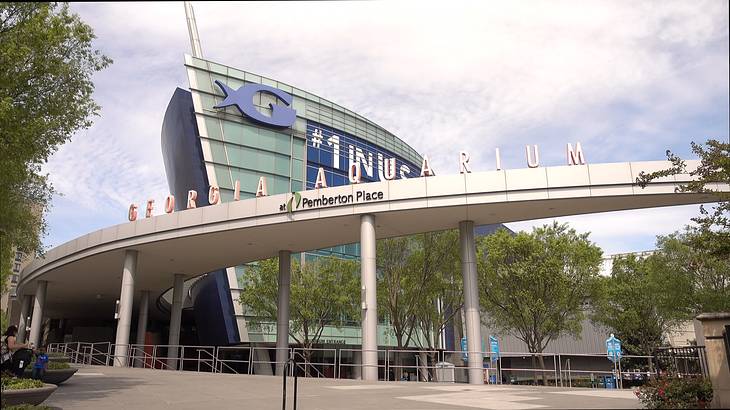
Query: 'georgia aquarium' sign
point(281, 116)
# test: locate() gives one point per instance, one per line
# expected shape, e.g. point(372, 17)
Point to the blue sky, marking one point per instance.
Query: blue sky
point(628, 80)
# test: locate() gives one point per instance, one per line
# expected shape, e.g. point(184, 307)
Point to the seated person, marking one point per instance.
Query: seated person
point(10, 346)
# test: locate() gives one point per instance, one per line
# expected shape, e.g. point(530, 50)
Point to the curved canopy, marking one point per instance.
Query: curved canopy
point(84, 274)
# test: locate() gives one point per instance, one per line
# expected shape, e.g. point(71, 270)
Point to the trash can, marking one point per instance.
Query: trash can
point(445, 372)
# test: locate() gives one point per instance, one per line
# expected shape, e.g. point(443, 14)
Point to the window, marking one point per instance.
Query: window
point(213, 128)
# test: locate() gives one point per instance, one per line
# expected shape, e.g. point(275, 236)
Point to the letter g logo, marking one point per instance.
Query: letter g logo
point(281, 116)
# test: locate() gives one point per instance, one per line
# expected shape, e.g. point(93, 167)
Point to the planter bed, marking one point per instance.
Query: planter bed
point(27, 396)
point(53, 376)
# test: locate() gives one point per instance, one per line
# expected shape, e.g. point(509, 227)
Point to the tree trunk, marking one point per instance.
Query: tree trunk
point(307, 359)
point(541, 359)
point(534, 367)
point(423, 366)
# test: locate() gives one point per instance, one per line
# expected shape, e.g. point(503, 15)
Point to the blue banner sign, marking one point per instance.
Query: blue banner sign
point(613, 348)
point(465, 349)
point(494, 348)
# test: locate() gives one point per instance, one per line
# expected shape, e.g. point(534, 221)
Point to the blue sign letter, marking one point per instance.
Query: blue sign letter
point(242, 98)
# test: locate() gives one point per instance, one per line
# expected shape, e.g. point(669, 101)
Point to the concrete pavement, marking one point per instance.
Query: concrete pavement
point(95, 387)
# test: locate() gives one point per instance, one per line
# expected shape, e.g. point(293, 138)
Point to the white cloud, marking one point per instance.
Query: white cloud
point(623, 231)
point(627, 79)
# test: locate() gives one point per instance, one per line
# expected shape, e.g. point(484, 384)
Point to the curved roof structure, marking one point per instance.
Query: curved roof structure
point(203, 239)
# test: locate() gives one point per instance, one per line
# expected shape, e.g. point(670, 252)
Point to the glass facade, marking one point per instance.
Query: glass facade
point(236, 148)
point(324, 134)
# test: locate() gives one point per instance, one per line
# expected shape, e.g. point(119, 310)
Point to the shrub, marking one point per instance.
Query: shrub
point(14, 383)
point(674, 392)
point(57, 365)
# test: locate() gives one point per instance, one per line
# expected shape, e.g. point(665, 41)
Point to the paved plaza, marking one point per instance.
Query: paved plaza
point(123, 388)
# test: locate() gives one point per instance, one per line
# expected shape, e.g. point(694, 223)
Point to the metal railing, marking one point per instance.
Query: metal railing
point(554, 369)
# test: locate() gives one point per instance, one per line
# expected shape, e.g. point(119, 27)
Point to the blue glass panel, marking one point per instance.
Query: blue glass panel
point(323, 142)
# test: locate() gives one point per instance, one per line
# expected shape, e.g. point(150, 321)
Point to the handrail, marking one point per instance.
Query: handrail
point(243, 359)
point(306, 363)
point(291, 360)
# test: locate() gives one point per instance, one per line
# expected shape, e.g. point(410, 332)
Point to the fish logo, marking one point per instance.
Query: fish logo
point(291, 205)
point(242, 98)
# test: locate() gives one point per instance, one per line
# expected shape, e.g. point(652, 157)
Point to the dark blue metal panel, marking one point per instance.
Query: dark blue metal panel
point(183, 157)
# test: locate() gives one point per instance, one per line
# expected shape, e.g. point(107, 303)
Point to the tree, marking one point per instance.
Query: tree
point(713, 227)
point(418, 286)
point(689, 254)
point(536, 285)
point(444, 293)
point(322, 292)
point(641, 301)
point(46, 63)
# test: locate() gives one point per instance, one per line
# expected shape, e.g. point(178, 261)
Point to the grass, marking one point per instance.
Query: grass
point(13, 383)
point(57, 365)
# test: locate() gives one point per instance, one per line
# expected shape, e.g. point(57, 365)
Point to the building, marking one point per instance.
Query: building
point(240, 153)
point(203, 145)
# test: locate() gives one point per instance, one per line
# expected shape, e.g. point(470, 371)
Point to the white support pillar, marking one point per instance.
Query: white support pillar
point(24, 317)
point(36, 324)
point(175, 319)
point(126, 299)
point(142, 317)
point(282, 312)
point(472, 323)
point(368, 288)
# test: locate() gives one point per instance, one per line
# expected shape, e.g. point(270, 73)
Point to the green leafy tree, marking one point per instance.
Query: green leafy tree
point(706, 275)
point(47, 60)
point(418, 287)
point(536, 285)
point(444, 291)
point(399, 286)
point(713, 226)
point(642, 300)
point(322, 293)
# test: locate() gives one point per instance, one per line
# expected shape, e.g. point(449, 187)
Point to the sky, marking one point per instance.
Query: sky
point(629, 80)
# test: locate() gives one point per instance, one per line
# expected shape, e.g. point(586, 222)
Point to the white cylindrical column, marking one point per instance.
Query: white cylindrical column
point(24, 317)
point(175, 319)
point(36, 324)
point(368, 291)
point(144, 304)
point(126, 299)
point(282, 313)
point(472, 323)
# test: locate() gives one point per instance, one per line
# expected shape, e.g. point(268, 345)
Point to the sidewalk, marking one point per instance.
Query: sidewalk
point(95, 387)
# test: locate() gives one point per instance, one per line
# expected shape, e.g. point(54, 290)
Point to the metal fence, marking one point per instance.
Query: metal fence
point(550, 369)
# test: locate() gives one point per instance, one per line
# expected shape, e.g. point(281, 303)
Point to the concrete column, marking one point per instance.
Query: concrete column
point(126, 299)
point(714, 330)
point(175, 318)
point(369, 298)
point(282, 312)
point(472, 323)
point(23, 319)
point(36, 324)
point(142, 317)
